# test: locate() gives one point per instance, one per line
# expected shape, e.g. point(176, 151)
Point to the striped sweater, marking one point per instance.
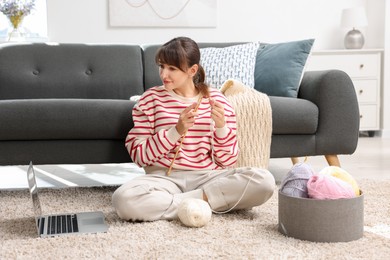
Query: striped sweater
point(154, 140)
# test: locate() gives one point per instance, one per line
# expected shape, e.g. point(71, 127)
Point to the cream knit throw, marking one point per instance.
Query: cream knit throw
point(254, 123)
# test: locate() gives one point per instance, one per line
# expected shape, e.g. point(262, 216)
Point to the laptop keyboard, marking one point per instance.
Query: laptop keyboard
point(60, 224)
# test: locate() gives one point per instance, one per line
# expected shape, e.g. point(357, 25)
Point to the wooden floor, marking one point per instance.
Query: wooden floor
point(371, 160)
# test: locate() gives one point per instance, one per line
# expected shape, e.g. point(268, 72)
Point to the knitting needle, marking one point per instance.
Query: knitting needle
point(182, 139)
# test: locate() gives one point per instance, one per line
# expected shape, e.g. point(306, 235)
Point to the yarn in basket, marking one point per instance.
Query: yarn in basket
point(324, 186)
point(343, 175)
point(295, 182)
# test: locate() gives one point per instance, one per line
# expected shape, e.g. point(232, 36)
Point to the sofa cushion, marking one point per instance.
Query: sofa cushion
point(40, 70)
point(233, 62)
point(55, 119)
point(293, 116)
point(279, 67)
point(152, 77)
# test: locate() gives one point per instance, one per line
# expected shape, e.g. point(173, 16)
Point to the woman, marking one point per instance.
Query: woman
point(184, 136)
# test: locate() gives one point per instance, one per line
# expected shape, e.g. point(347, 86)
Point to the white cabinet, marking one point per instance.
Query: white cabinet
point(364, 68)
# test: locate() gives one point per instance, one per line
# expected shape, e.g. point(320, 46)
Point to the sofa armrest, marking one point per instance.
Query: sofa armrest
point(334, 94)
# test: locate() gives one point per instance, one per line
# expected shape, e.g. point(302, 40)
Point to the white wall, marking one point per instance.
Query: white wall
point(245, 20)
point(386, 87)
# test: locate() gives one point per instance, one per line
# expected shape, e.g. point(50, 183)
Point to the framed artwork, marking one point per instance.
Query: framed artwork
point(163, 13)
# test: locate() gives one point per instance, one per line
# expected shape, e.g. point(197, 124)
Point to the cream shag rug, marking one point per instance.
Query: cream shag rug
point(250, 234)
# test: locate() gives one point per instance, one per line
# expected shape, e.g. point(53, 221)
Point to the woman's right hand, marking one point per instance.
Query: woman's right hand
point(186, 119)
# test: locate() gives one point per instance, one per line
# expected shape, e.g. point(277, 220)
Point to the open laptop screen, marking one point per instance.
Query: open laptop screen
point(32, 185)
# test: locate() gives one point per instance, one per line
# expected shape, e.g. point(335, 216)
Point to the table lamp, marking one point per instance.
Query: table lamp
point(354, 17)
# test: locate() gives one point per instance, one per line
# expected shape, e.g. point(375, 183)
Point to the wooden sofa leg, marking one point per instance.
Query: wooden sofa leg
point(332, 160)
point(295, 160)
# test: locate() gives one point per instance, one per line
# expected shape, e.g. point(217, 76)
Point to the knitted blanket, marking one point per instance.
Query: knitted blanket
point(254, 123)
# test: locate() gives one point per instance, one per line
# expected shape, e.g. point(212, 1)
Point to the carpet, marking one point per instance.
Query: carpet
point(247, 234)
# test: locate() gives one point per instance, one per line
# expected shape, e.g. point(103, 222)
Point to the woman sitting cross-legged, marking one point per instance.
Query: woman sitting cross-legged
point(184, 136)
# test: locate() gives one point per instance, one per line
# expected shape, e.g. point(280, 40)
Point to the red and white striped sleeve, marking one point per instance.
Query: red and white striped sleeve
point(225, 146)
point(144, 144)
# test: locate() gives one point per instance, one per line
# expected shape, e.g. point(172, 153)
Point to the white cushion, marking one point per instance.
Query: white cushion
point(233, 62)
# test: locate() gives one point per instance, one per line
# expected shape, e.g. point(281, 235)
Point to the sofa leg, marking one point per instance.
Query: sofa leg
point(295, 160)
point(332, 160)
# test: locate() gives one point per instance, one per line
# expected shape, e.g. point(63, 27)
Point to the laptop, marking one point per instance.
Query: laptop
point(62, 224)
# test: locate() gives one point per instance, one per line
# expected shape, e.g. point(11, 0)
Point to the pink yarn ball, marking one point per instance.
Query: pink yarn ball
point(322, 186)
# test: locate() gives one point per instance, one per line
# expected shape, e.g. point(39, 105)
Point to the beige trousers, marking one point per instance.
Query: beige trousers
point(157, 196)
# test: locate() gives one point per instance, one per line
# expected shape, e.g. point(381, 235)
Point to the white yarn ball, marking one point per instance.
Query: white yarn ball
point(194, 212)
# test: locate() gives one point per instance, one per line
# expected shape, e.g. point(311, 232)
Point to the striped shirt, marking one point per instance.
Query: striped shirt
point(154, 139)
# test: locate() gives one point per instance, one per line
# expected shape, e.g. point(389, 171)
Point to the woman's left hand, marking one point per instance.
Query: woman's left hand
point(217, 113)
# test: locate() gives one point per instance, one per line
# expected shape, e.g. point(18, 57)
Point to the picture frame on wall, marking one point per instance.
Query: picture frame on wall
point(163, 13)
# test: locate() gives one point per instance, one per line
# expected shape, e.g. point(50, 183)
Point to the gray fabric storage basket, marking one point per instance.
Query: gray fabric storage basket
point(316, 220)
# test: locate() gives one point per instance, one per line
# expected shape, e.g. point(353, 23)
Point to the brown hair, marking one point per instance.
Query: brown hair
point(183, 52)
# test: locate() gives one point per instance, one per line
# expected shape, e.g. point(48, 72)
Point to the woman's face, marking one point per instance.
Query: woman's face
point(174, 78)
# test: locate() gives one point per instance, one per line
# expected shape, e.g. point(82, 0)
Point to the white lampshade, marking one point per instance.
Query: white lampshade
point(354, 17)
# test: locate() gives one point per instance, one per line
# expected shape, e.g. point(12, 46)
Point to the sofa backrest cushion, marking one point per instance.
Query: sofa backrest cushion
point(87, 71)
point(151, 74)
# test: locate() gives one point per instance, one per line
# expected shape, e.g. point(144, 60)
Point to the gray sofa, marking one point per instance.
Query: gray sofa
point(69, 103)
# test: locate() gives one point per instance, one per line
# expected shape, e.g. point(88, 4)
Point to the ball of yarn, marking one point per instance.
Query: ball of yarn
point(295, 182)
point(323, 186)
point(194, 212)
point(343, 175)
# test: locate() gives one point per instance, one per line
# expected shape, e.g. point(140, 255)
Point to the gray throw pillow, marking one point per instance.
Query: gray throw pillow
point(279, 67)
